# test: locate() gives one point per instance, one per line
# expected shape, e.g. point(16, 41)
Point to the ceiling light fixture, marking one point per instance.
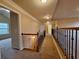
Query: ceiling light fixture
point(43, 1)
point(47, 17)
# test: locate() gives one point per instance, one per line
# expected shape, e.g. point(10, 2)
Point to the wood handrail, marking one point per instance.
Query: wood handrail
point(74, 28)
point(29, 34)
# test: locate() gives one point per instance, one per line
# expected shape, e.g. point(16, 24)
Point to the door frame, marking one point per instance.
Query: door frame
point(19, 19)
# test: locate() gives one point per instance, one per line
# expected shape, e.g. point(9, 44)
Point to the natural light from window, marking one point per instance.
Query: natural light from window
point(4, 28)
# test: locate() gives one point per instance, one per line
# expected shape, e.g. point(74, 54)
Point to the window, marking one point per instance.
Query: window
point(4, 28)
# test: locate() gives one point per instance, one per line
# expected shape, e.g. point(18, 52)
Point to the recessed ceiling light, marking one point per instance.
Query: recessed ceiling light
point(47, 17)
point(43, 1)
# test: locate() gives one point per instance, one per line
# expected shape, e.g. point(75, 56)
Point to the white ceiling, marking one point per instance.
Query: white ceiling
point(37, 9)
point(65, 8)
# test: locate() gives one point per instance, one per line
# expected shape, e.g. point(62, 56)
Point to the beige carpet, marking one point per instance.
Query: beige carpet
point(47, 51)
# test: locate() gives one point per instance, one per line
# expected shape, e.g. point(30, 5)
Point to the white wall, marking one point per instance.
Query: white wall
point(27, 23)
point(29, 26)
point(69, 22)
point(41, 29)
point(48, 27)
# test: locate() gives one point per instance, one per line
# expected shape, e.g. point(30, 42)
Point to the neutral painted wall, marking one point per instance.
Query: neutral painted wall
point(48, 27)
point(27, 23)
point(42, 29)
point(69, 22)
point(30, 27)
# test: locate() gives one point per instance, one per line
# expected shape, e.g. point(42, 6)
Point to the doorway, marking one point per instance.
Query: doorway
point(9, 28)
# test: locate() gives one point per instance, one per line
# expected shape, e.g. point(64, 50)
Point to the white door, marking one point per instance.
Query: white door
point(14, 26)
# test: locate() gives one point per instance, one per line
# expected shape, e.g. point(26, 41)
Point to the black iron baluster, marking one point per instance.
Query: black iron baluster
point(65, 42)
point(76, 44)
point(72, 45)
point(57, 33)
point(69, 44)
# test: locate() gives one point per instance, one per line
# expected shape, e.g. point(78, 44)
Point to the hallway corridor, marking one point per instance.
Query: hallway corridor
point(29, 29)
point(47, 51)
